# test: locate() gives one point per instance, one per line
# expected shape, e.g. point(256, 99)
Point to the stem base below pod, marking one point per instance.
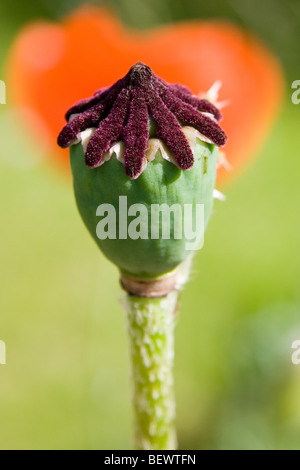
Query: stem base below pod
point(151, 325)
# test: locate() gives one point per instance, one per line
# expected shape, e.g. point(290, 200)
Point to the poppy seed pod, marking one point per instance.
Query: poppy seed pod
point(143, 158)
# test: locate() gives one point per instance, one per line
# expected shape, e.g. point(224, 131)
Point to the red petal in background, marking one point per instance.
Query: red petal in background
point(50, 66)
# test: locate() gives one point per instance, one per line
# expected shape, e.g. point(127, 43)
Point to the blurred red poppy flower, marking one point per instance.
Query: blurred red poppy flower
point(50, 66)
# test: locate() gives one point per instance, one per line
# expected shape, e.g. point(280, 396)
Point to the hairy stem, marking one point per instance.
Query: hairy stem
point(151, 324)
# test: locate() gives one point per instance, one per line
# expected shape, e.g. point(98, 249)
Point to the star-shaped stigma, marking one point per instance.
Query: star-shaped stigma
point(123, 112)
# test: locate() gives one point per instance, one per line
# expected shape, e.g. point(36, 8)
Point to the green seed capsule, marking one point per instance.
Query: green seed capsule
point(149, 225)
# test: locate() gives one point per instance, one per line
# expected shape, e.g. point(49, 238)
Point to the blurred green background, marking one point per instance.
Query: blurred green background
point(66, 383)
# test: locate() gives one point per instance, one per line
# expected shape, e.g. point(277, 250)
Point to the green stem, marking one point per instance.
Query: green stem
point(151, 324)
